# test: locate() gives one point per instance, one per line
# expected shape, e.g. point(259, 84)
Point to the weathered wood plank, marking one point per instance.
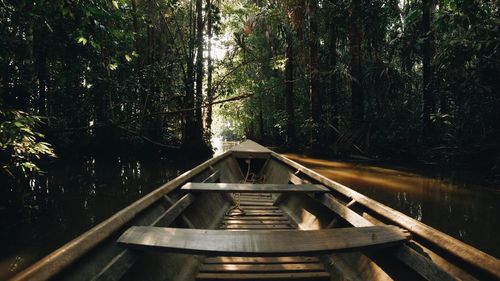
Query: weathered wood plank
point(247, 260)
point(63, 257)
point(261, 200)
point(251, 197)
point(264, 276)
point(215, 176)
point(344, 212)
point(183, 218)
point(256, 226)
point(119, 265)
point(440, 241)
point(261, 242)
point(253, 203)
point(422, 265)
point(258, 195)
point(253, 207)
point(267, 216)
point(287, 267)
point(276, 218)
point(417, 248)
point(279, 211)
point(251, 221)
point(250, 188)
point(256, 203)
point(254, 196)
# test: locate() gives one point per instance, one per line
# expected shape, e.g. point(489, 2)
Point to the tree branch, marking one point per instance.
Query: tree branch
point(135, 118)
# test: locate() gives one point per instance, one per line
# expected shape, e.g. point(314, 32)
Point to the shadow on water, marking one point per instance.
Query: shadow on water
point(465, 211)
point(69, 199)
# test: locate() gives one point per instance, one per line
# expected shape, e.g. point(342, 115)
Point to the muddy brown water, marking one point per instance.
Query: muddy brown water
point(468, 212)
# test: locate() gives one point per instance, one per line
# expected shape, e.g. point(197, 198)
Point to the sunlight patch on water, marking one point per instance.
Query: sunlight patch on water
point(368, 175)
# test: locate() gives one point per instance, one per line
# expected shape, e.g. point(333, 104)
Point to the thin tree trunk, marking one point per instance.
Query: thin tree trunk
point(289, 65)
point(332, 90)
point(41, 68)
point(23, 88)
point(134, 21)
point(199, 67)
point(262, 133)
point(427, 71)
point(355, 38)
point(188, 136)
point(314, 94)
point(210, 94)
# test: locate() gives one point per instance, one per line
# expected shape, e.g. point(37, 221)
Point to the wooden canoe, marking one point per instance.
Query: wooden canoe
point(285, 222)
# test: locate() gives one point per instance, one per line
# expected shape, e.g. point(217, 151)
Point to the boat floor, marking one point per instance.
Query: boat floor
point(260, 213)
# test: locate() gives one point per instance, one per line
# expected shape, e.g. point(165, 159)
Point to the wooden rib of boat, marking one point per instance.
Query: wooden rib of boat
point(294, 225)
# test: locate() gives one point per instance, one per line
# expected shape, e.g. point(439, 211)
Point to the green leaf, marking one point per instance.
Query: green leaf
point(112, 66)
point(82, 40)
point(128, 58)
point(115, 4)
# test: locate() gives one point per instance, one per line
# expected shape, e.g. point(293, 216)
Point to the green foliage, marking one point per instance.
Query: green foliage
point(112, 68)
point(464, 60)
point(115, 66)
point(20, 144)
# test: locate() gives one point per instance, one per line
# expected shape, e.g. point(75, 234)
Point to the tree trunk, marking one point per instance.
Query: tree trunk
point(262, 133)
point(41, 67)
point(189, 132)
point(355, 38)
point(199, 67)
point(134, 22)
point(208, 120)
point(289, 65)
point(314, 94)
point(427, 71)
point(332, 89)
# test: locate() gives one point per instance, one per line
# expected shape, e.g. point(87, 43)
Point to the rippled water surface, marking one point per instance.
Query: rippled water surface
point(465, 211)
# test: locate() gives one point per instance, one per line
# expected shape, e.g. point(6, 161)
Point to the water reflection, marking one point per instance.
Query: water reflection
point(69, 199)
point(465, 211)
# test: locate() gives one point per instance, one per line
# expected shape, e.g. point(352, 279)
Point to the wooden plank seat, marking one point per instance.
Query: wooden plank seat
point(252, 188)
point(261, 242)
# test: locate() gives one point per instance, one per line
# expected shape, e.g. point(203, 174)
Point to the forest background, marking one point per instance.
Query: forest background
point(406, 80)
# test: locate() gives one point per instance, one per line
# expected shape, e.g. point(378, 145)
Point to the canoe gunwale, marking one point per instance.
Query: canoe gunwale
point(67, 254)
point(440, 241)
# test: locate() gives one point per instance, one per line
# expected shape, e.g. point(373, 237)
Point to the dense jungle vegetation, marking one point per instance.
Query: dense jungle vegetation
point(391, 78)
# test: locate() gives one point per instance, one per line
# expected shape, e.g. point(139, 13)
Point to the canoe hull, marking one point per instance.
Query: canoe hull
point(95, 255)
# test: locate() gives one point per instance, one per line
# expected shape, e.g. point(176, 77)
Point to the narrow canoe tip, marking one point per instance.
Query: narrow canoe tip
point(250, 146)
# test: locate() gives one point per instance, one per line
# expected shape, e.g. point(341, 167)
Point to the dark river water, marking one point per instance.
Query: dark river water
point(69, 199)
point(466, 211)
point(75, 195)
